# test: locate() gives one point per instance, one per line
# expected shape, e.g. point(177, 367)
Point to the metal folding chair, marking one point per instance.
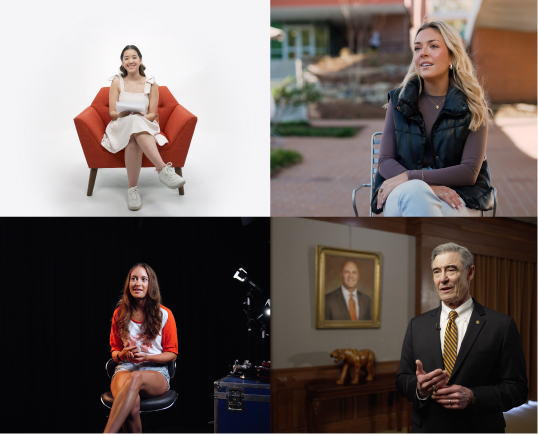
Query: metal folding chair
point(374, 161)
point(374, 164)
point(494, 202)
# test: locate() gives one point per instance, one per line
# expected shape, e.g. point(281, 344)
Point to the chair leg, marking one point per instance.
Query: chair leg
point(181, 189)
point(91, 182)
point(353, 198)
point(494, 201)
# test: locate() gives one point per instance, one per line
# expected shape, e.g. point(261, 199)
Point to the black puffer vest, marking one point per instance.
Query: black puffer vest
point(448, 136)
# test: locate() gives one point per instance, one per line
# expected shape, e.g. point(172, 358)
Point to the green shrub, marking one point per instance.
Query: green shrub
point(304, 129)
point(283, 157)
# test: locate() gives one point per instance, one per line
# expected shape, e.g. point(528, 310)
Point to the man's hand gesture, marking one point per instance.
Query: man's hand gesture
point(453, 397)
point(427, 383)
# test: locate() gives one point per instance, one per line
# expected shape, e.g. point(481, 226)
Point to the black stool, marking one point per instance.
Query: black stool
point(147, 405)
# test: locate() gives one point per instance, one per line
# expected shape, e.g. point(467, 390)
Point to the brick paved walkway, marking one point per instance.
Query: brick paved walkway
point(322, 183)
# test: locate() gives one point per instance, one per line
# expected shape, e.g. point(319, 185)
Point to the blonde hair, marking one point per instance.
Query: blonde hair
point(463, 75)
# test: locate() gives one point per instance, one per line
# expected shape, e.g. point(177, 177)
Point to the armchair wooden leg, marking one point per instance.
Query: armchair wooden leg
point(181, 189)
point(91, 182)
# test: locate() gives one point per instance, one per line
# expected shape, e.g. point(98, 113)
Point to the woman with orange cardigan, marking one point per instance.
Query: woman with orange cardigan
point(137, 133)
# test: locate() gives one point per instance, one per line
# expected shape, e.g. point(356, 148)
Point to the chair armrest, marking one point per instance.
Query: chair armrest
point(179, 130)
point(90, 130)
point(179, 120)
point(110, 367)
point(172, 368)
point(353, 198)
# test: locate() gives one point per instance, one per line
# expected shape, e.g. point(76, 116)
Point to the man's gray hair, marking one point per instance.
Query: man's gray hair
point(465, 255)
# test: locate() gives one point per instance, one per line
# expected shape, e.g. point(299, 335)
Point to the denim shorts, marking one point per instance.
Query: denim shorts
point(144, 366)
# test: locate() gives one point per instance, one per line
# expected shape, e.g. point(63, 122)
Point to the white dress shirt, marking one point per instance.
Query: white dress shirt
point(462, 320)
point(346, 293)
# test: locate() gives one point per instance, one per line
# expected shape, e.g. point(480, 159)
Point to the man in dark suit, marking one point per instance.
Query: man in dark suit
point(347, 303)
point(462, 364)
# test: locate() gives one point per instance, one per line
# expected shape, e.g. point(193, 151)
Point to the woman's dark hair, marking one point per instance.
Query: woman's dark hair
point(141, 68)
point(152, 306)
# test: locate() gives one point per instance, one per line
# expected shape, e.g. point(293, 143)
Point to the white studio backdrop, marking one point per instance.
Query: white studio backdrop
point(212, 55)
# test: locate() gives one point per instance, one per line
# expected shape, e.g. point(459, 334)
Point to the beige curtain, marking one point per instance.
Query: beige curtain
point(509, 287)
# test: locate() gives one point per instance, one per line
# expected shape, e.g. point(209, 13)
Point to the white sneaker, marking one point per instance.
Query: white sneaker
point(170, 178)
point(134, 201)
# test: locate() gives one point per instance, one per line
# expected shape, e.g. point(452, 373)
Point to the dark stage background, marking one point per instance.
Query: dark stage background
point(62, 278)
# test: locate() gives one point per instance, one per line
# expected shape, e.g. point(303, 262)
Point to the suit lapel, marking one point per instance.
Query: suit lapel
point(434, 338)
point(473, 330)
point(342, 304)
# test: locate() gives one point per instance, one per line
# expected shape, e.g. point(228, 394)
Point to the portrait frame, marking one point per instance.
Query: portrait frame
point(329, 263)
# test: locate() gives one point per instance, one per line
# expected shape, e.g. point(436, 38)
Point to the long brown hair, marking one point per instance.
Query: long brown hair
point(152, 306)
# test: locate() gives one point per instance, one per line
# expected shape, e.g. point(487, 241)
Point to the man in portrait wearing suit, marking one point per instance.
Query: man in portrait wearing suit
point(347, 303)
point(462, 364)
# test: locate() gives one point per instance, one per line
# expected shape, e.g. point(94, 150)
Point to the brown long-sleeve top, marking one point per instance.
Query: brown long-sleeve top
point(461, 175)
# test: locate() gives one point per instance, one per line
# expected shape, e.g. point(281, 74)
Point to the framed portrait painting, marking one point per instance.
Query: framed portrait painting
point(348, 288)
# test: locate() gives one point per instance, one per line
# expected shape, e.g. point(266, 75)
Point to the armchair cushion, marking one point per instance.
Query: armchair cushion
point(176, 123)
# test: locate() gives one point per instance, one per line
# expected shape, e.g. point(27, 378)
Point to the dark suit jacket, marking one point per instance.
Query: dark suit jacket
point(336, 308)
point(490, 362)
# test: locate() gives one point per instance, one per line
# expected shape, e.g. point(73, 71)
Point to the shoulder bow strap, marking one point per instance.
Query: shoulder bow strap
point(117, 74)
point(149, 81)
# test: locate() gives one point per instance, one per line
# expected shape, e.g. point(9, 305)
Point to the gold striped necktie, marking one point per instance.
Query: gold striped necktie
point(451, 343)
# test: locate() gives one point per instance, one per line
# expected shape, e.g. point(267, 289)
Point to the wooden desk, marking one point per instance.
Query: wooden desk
point(383, 404)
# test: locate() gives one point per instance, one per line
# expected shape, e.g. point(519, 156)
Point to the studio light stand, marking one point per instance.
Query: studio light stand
point(252, 320)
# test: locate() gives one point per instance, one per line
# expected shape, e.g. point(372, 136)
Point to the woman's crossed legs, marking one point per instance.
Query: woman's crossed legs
point(127, 388)
point(141, 143)
point(415, 198)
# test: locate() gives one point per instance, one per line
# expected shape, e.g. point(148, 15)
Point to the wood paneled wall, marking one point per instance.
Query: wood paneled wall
point(289, 402)
point(501, 238)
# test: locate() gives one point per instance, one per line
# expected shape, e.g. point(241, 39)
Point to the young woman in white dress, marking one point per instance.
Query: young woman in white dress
point(137, 133)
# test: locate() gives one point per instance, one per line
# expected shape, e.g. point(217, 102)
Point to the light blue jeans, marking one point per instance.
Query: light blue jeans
point(415, 198)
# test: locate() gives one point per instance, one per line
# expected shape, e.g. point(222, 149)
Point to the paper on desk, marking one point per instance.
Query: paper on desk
point(137, 107)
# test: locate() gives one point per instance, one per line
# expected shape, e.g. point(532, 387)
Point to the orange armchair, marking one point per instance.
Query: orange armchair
point(176, 122)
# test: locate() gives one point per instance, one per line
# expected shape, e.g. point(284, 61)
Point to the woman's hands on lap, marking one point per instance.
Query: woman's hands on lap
point(138, 356)
point(123, 114)
point(127, 113)
point(387, 187)
point(133, 355)
point(448, 195)
point(150, 116)
point(126, 354)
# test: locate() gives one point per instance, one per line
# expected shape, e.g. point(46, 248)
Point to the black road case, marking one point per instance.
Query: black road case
point(241, 405)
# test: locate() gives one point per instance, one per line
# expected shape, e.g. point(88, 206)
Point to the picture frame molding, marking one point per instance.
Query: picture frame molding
point(321, 323)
